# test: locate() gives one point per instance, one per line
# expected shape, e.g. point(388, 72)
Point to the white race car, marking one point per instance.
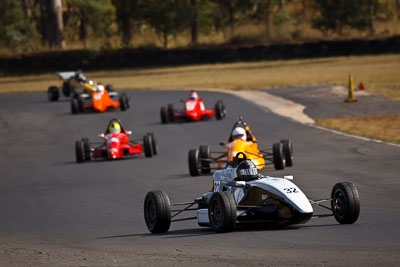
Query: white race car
point(242, 196)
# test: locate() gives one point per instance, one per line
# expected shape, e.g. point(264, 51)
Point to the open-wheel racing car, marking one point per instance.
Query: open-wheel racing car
point(241, 139)
point(241, 196)
point(193, 110)
point(74, 83)
point(116, 145)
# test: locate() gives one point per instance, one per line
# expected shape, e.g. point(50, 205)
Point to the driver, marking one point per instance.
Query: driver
point(114, 128)
point(193, 95)
point(239, 133)
point(246, 170)
point(80, 77)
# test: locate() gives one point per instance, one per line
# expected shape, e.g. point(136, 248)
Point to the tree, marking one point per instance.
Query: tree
point(337, 14)
point(129, 14)
point(97, 15)
point(15, 30)
point(167, 17)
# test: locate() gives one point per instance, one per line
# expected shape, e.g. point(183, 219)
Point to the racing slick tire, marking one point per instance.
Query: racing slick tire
point(171, 112)
point(222, 212)
point(147, 146)
point(74, 106)
point(205, 157)
point(79, 152)
point(157, 211)
point(219, 110)
point(86, 148)
point(164, 115)
point(194, 162)
point(278, 159)
point(53, 93)
point(124, 102)
point(345, 203)
point(154, 144)
point(288, 152)
point(66, 89)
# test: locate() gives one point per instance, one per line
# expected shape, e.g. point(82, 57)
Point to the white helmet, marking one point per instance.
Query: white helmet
point(239, 133)
point(100, 88)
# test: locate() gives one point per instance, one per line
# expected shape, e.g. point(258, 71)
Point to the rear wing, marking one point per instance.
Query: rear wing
point(66, 75)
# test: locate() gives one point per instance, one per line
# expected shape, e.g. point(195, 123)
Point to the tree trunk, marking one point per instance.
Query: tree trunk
point(305, 11)
point(55, 27)
point(231, 19)
point(268, 19)
point(165, 35)
point(194, 31)
point(371, 27)
point(397, 9)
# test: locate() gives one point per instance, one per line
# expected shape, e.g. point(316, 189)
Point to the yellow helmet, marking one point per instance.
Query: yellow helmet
point(115, 127)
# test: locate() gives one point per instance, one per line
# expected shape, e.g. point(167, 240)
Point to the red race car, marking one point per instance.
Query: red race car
point(116, 145)
point(193, 110)
point(100, 99)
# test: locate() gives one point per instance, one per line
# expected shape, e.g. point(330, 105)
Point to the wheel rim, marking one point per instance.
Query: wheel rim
point(339, 203)
point(150, 213)
point(216, 213)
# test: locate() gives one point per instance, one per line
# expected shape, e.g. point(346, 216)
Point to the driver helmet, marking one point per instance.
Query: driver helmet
point(246, 170)
point(239, 133)
point(193, 95)
point(80, 76)
point(114, 128)
point(100, 88)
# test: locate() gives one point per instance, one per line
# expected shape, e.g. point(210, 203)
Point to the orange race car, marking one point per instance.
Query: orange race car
point(241, 139)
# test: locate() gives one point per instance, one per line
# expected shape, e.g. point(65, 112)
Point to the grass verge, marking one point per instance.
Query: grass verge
point(383, 127)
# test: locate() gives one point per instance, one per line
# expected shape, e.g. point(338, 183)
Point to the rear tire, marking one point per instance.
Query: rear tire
point(205, 156)
point(164, 115)
point(171, 112)
point(222, 212)
point(345, 203)
point(147, 146)
point(288, 152)
point(79, 152)
point(157, 211)
point(154, 144)
point(53, 93)
point(194, 162)
point(277, 153)
point(74, 106)
point(66, 89)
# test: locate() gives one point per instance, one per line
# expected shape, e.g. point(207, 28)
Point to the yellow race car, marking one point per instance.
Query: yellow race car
point(241, 139)
point(73, 84)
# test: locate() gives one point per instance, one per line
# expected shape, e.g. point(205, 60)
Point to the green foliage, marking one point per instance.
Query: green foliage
point(15, 29)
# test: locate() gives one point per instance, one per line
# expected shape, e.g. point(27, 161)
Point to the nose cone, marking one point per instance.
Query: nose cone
point(192, 115)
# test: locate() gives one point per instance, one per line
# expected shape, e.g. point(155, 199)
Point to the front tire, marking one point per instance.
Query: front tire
point(147, 146)
point(157, 211)
point(86, 148)
point(194, 162)
point(74, 106)
point(222, 212)
point(288, 152)
point(277, 153)
point(345, 203)
point(171, 112)
point(79, 152)
point(219, 109)
point(123, 102)
point(164, 115)
point(53, 93)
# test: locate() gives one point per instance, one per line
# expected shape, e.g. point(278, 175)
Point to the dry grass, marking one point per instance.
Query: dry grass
point(380, 74)
point(383, 127)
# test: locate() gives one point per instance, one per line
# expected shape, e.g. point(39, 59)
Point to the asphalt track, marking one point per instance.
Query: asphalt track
point(48, 199)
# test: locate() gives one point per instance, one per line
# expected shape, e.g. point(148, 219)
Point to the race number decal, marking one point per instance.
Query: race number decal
point(290, 190)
